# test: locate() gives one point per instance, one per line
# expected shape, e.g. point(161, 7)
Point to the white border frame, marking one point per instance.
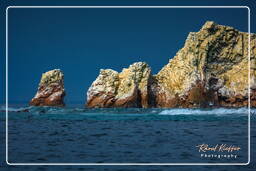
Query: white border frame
point(104, 164)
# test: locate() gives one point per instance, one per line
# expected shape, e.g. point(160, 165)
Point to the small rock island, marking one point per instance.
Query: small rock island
point(51, 90)
point(210, 70)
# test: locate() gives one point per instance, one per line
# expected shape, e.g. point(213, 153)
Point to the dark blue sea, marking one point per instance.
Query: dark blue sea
point(79, 135)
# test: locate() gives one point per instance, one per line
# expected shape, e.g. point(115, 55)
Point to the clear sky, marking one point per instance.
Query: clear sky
point(80, 42)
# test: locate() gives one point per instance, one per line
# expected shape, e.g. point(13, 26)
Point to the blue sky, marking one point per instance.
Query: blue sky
point(82, 41)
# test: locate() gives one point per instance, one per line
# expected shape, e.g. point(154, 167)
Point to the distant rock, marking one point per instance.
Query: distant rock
point(51, 90)
point(210, 70)
point(126, 89)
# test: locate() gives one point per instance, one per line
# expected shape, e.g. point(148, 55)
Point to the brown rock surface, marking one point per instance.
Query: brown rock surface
point(51, 90)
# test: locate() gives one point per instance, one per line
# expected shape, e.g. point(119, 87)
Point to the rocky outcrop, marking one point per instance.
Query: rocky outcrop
point(210, 70)
point(126, 89)
point(51, 90)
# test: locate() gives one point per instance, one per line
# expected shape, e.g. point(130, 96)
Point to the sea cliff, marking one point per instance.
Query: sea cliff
point(212, 69)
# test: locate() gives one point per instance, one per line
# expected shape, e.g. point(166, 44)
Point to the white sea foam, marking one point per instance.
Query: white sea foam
point(218, 111)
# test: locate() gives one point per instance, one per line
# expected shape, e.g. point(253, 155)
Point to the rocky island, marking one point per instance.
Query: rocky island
point(212, 69)
point(51, 90)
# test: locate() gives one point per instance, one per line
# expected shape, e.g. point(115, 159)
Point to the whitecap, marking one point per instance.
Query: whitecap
point(216, 111)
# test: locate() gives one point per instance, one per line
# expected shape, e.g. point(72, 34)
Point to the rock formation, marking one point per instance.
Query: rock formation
point(51, 90)
point(126, 89)
point(210, 70)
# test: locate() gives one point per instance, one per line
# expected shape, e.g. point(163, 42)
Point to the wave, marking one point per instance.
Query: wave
point(218, 111)
point(158, 111)
point(14, 109)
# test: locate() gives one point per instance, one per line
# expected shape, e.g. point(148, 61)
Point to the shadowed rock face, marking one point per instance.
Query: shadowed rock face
point(210, 70)
point(51, 90)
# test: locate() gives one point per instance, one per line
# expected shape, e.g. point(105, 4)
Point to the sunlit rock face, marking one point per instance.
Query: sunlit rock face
point(51, 90)
point(212, 69)
point(126, 89)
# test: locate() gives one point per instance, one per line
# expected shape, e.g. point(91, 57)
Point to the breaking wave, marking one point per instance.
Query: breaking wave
point(218, 111)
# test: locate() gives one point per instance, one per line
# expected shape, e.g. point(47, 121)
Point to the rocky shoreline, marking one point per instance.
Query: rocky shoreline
point(211, 70)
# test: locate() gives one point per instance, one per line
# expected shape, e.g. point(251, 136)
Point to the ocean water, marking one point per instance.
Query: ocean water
point(79, 135)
